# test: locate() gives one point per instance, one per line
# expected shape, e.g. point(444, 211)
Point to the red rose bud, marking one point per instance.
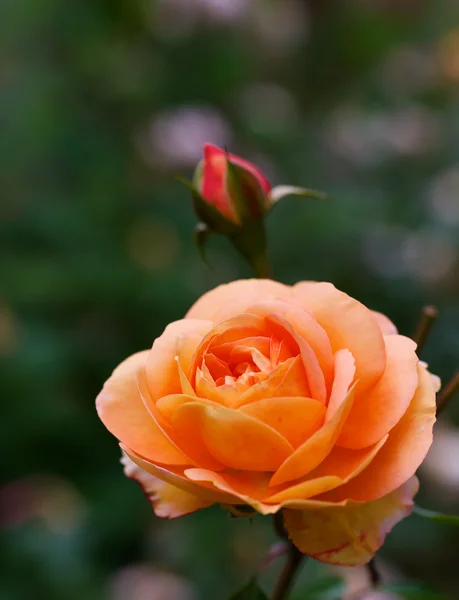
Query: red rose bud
point(231, 196)
point(233, 186)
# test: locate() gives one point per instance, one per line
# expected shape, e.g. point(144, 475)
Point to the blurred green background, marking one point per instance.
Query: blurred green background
point(102, 101)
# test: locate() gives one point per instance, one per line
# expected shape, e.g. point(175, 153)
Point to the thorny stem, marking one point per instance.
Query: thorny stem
point(428, 317)
point(290, 570)
point(450, 389)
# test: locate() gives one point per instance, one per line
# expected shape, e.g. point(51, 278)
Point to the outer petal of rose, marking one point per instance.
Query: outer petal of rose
point(385, 324)
point(123, 413)
point(168, 500)
point(310, 454)
point(235, 439)
point(340, 466)
point(375, 413)
point(175, 475)
point(184, 428)
point(305, 326)
point(342, 381)
point(180, 339)
point(169, 405)
point(349, 535)
point(349, 324)
point(295, 418)
point(233, 298)
point(247, 487)
point(402, 454)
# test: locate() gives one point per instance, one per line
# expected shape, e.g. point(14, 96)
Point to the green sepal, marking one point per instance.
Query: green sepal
point(207, 213)
point(251, 591)
point(247, 196)
point(282, 191)
point(436, 516)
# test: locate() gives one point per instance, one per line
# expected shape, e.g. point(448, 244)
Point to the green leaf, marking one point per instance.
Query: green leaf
point(246, 193)
point(413, 591)
point(436, 516)
point(207, 213)
point(251, 591)
point(281, 191)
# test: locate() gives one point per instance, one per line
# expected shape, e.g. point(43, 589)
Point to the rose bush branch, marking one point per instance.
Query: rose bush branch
point(428, 317)
point(448, 392)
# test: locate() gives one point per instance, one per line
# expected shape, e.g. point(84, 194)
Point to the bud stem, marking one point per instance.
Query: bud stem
point(251, 243)
point(260, 266)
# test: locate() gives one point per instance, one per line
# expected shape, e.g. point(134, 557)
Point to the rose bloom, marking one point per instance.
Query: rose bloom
point(276, 397)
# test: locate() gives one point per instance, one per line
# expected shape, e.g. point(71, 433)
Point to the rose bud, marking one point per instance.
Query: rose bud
point(234, 187)
point(231, 197)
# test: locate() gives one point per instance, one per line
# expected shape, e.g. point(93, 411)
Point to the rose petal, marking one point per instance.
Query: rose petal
point(123, 413)
point(168, 501)
point(340, 466)
point(187, 431)
point(310, 454)
point(295, 418)
point(175, 475)
point(403, 452)
point(227, 395)
point(247, 487)
point(304, 326)
point(233, 298)
point(343, 378)
point(233, 438)
point(384, 323)
point(288, 379)
point(180, 339)
point(349, 324)
point(314, 374)
point(349, 535)
point(378, 410)
point(169, 405)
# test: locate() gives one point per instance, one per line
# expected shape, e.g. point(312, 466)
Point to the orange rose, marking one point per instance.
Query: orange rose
point(296, 398)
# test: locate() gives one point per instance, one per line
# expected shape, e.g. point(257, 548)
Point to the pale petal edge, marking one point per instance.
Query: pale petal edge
point(168, 501)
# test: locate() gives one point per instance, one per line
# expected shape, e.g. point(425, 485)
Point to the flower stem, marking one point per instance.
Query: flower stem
point(287, 577)
point(294, 560)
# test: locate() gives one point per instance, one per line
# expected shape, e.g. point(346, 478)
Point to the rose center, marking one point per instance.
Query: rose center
point(243, 363)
